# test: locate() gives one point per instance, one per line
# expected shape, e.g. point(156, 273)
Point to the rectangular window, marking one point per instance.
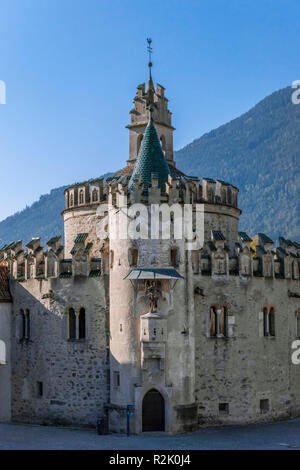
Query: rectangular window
point(27, 325)
point(39, 388)
point(82, 323)
point(72, 324)
point(218, 322)
point(266, 322)
point(298, 325)
point(223, 322)
point(173, 257)
point(223, 408)
point(264, 405)
point(213, 322)
point(135, 255)
point(272, 322)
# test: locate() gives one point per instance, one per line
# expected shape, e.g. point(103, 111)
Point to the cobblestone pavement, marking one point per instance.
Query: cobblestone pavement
point(280, 435)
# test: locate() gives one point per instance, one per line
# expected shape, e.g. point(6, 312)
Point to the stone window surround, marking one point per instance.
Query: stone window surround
point(297, 314)
point(24, 314)
point(77, 311)
point(266, 321)
point(218, 310)
point(223, 408)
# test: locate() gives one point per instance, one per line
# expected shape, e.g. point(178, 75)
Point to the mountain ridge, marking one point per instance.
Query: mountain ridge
point(262, 149)
point(258, 152)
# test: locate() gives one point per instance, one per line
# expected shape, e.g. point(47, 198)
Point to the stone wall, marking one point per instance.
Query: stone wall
point(224, 219)
point(247, 367)
point(73, 373)
point(81, 220)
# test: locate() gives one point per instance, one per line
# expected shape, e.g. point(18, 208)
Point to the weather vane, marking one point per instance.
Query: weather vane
point(149, 49)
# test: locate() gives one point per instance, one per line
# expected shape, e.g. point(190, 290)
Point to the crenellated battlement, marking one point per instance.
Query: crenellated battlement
point(83, 200)
point(178, 189)
point(88, 193)
point(35, 262)
point(252, 257)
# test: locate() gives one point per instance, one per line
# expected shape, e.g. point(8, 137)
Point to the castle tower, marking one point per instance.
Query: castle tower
point(145, 99)
point(152, 353)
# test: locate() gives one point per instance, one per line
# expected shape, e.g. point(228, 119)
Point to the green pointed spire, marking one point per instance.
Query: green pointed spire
point(150, 160)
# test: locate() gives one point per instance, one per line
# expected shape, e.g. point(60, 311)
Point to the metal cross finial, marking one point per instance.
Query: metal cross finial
point(149, 49)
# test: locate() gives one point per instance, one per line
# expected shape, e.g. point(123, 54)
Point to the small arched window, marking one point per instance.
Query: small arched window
point(81, 200)
point(22, 325)
point(174, 257)
point(272, 322)
point(76, 324)
point(163, 143)
point(114, 198)
point(72, 324)
point(229, 195)
point(219, 322)
point(213, 322)
point(82, 323)
point(266, 322)
point(27, 324)
point(298, 324)
point(95, 195)
point(139, 141)
point(210, 195)
point(269, 321)
point(71, 200)
point(223, 196)
point(224, 322)
point(135, 256)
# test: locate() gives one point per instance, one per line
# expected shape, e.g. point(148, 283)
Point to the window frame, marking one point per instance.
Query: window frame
point(77, 329)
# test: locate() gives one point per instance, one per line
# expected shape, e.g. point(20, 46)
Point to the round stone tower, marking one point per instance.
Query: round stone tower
point(152, 344)
point(80, 215)
point(151, 322)
point(152, 267)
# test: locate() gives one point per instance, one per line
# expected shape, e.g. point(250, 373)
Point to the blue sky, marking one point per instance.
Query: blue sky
point(71, 68)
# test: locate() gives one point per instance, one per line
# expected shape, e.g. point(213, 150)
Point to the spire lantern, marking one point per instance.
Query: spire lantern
point(150, 103)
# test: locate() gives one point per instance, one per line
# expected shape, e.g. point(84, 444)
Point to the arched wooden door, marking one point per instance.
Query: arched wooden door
point(153, 411)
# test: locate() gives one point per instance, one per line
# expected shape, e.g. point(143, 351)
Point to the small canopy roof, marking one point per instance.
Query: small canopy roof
point(154, 273)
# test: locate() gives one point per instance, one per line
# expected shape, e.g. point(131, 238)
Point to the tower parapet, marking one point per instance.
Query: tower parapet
point(140, 115)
